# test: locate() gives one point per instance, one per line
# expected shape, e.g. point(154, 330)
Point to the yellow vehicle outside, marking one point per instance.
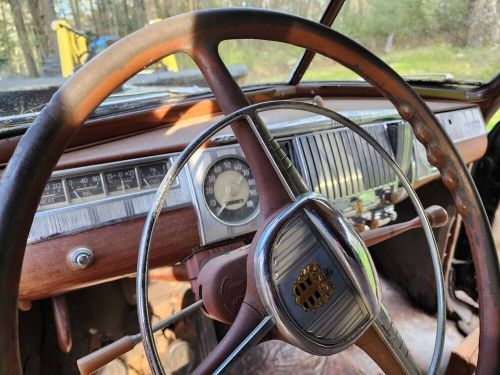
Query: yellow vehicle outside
point(74, 49)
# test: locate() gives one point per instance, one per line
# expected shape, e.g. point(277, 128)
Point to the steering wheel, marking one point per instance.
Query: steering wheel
point(198, 34)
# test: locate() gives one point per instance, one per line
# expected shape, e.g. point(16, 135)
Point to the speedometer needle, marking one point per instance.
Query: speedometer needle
point(222, 208)
point(236, 182)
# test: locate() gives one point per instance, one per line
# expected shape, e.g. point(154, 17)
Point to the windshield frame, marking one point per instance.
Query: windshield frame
point(331, 12)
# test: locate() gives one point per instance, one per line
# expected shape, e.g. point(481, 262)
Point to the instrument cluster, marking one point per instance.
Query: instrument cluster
point(96, 185)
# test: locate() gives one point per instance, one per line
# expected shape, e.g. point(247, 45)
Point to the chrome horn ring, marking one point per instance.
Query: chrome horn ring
point(248, 114)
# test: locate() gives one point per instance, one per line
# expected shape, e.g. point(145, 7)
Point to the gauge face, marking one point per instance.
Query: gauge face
point(121, 180)
point(152, 174)
point(53, 194)
point(85, 188)
point(230, 191)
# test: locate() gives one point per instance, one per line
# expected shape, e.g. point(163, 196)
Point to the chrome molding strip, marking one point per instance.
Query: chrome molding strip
point(316, 123)
point(465, 123)
point(112, 165)
point(71, 218)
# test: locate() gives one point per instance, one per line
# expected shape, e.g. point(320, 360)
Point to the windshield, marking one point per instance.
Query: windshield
point(44, 42)
point(423, 40)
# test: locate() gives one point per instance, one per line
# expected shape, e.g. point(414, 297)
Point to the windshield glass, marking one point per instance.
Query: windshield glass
point(44, 42)
point(427, 40)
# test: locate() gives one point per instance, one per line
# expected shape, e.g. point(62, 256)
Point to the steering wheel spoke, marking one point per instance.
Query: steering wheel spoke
point(290, 178)
point(253, 338)
point(384, 344)
point(248, 329)
point(261, 152)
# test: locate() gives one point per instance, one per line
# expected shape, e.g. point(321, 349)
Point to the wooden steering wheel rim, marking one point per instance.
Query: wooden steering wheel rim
point(198, 34)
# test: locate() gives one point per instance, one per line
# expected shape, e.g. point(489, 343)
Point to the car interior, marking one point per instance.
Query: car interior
point(166, 208)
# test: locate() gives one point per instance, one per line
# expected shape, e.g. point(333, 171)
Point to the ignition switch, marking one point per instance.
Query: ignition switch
point(80, 258)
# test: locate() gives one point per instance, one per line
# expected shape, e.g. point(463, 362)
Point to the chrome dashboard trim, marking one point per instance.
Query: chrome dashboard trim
point(414, 163)
point(70, 218)
point(113, 165)
point(318, 123)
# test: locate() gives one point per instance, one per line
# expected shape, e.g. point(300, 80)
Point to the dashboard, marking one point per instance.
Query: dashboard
point(218, 186)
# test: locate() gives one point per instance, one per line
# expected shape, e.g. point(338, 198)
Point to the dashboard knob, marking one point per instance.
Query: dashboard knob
point(392, 196)
point(80, 258)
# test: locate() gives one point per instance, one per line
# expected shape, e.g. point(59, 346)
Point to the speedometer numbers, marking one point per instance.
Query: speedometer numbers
point(230, 191)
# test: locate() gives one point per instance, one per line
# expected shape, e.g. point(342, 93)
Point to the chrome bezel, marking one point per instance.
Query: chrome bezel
point(229, 223)
point(355, 270)
point(102, 169)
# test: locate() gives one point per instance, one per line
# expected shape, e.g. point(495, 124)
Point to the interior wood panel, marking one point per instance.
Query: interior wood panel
point(46, 273)
point(107, 128)
point(176, 137)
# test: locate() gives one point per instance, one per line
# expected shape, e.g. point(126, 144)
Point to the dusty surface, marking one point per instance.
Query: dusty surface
point(417, 329)
point(275, 357)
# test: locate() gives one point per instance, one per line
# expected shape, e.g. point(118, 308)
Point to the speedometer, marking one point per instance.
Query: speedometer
point(230, 192)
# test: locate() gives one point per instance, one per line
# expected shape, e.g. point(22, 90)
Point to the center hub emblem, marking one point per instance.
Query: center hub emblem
point(311, 288)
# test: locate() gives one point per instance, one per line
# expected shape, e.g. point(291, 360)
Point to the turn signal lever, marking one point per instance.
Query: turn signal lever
point(437, 216)
point(100, 358)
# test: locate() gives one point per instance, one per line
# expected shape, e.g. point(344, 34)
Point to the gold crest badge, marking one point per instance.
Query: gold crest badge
point(312, 288)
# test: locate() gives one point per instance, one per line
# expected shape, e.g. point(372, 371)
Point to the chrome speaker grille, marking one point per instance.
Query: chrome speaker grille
point(339, 164)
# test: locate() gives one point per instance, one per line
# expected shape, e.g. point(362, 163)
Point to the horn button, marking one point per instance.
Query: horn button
point(315, 277)
point(313, 273)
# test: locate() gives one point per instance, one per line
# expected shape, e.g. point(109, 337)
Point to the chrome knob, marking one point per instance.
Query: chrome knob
point(80, 258)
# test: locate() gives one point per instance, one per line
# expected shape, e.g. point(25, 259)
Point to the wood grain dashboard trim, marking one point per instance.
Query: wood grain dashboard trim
point(175, 138)
point(122, 125)
point(45, 272)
